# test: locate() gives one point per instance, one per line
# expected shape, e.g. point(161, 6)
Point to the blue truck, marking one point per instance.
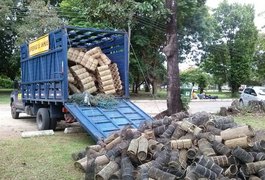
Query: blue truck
point(43, 91)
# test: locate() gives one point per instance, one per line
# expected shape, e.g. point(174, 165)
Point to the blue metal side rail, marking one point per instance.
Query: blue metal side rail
point(101, 122)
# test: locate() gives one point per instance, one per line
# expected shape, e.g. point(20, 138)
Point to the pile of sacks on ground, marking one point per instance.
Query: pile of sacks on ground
point(92, 71)
point(182, 146)
point(236, 108)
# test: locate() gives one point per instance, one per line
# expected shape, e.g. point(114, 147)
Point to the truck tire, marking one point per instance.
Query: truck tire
point(14, 113)
point(43, 119)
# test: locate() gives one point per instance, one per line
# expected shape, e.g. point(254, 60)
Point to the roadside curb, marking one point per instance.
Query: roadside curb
point(212, 100)
point(193, 100)
point(144, 101)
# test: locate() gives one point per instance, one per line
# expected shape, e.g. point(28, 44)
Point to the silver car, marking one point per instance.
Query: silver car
point(255, 93)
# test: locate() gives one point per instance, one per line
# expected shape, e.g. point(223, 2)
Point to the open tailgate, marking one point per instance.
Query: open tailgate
point(100, 122)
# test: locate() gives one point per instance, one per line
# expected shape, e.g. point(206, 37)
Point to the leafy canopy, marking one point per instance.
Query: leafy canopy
point(233, 44)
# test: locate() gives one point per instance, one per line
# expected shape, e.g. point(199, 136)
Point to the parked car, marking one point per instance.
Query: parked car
point(256, 93)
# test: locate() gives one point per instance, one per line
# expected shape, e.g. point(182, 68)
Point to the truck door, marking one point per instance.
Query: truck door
point(18, 97)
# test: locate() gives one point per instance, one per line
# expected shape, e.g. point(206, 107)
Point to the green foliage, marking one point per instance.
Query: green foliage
point(6, 82)
point(233, 44)
point(194, 28)
point(195, 76)
point(37, 18)
point(22, 21)
point(5, 13)
point(258, 66)
point(99, 100)
point(8, 61)
point(185, 103)
point(217, 63)
point(108, 13)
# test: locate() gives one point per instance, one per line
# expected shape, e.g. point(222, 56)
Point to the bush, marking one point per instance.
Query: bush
point(185, 102)
point(6, 82)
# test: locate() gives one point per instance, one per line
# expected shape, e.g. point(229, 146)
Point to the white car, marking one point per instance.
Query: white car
point(256, 93)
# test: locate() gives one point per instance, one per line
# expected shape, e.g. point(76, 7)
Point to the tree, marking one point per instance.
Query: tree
point(258, 66)
point(194, 28)
point(9, 64)
point(174, 103)
point(36, 19)
point(234, 28)
point(217, 63)
point(22, 21)
point(195, 76)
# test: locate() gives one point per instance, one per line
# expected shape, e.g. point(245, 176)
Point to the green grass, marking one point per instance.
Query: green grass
point(255, 121)
point(221, 95)
point(161, 94)
point(42, 157)
point(5, 96)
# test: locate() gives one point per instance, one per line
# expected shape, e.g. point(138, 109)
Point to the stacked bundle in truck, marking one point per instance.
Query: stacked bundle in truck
point(73, 88)
point(90, 59)
point(89, 64)
point(71, 78)
point(75, 54)
point(85, 79)
point(104, 60)
point(72, 83)
point(70, 54)
point(116, 77)
point(105, 80)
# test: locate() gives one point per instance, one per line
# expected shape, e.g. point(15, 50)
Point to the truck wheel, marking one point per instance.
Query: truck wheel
point(43, 119)
point(14, 113)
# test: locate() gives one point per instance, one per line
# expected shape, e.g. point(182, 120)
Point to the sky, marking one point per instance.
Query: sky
point(259, 6)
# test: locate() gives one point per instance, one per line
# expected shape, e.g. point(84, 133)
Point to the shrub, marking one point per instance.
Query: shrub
point(6, 82)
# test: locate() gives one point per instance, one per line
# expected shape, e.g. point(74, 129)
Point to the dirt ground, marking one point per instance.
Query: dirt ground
point(10, 127)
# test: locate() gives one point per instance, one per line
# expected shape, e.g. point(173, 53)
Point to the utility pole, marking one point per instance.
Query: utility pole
point(174, 103)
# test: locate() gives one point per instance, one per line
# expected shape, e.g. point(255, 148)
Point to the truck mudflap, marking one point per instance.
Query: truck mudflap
point(101, 122)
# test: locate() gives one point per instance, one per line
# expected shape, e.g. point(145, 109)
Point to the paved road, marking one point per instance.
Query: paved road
point(13, 127)
point(10, 127)
point(156, 106)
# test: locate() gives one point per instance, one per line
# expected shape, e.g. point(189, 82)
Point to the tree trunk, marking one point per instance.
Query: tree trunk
point(174, 103)
point(146, 87)
point(137, 85)
point(234, 90)
point(154, 87)
point(201, 90)
point(133, 88)
point(136, 88)
point(219, 87)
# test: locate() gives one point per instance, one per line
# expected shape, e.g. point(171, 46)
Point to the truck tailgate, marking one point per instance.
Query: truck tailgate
point(100, 122)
